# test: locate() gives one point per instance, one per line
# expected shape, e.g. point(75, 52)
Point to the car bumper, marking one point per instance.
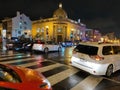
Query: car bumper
point(38, 49)
point(90, 67)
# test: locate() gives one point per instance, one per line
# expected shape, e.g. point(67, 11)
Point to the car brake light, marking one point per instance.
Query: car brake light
point(42, 45)
point(97, 57)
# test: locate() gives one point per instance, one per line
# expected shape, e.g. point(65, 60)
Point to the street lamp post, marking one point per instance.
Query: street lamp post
point(4, 40)
point(47, 33)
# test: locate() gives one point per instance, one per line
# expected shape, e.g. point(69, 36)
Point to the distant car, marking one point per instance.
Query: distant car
point(14, 39)
point(96, 58)
point(9, 45)
point(28, 46)
point(67, 44)
point(46, 46)
point(18, 46)
point(19, 78)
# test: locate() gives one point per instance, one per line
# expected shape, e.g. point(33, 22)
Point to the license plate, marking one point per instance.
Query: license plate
point(82, 60)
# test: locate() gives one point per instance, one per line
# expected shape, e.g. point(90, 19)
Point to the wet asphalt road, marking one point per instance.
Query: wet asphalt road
point(60, 57)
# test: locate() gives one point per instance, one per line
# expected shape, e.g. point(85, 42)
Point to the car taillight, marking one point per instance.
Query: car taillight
point(97, 57)
point(42, 45)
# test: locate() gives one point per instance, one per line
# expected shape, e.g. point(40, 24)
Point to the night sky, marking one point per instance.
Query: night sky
point(103, 15)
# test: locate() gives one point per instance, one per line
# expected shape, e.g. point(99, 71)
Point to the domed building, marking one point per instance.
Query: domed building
point(59, 28)
point(60, 13)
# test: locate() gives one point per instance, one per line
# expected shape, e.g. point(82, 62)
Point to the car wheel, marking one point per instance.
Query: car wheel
point(109, 70)
point(33, 51)
point(46, 50)
point(59, 49)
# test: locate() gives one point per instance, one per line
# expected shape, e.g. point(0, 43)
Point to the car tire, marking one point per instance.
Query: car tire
point(46, 50)
point(33, 51)
point(109, 70)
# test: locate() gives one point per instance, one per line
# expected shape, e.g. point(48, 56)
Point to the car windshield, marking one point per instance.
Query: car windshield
point(90, 50)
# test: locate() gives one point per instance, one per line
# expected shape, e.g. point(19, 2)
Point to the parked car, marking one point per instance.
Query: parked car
point(46, 46)
point(19, 78)
point(96, 58)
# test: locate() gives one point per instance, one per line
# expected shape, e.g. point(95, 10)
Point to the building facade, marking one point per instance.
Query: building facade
point(0, 29)
point(59, 28)
point(93, 35)
point(21, 25)
point(1, 32)
point(7, 27)
point(17, 26)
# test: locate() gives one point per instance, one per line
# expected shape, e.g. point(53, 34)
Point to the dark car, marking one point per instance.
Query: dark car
point(28, 46)
point(18, 46)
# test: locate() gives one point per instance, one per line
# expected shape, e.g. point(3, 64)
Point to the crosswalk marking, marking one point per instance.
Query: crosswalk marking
point(19, 60)
point(88, 83)
point(49, 67)
point(61, 76)
point(10, 55)
point(12, 58)
point(30, 64)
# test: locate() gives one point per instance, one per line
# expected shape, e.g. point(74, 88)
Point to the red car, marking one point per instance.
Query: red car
point(19, 78)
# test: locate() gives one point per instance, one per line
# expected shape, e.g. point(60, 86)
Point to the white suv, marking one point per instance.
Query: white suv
point(46, 47)
point(96, 58)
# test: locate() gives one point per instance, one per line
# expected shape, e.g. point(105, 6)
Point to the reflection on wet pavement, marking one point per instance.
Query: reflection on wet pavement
point(61, 76)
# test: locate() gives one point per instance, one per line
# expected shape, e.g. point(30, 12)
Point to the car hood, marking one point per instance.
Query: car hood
point(28, 75)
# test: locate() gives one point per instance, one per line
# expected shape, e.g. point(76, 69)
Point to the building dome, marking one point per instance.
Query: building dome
point(60, 13)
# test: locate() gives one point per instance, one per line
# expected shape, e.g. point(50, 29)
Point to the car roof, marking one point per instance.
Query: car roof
point(97, 44)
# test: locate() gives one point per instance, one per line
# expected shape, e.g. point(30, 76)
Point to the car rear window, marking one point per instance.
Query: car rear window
point(90, 50)
point(39, 42)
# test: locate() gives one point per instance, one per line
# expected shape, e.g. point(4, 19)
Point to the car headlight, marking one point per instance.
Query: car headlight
point(46, 84)
point(29, 45)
